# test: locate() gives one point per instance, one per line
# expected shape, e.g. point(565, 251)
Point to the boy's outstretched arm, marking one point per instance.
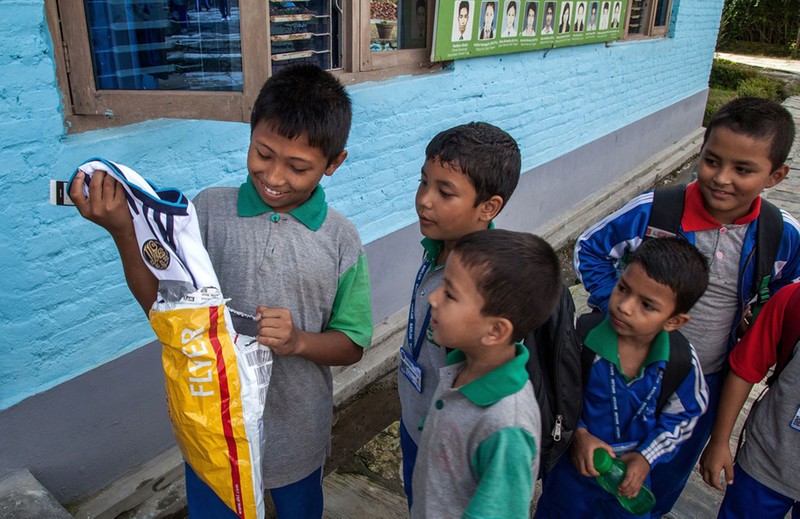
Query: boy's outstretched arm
point(107, 207)
point(503, 465)
point(599, 248)
point(330, 348)
point(717, 455)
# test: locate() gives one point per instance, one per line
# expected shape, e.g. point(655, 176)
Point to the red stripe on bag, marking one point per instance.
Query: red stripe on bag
point(225, 398)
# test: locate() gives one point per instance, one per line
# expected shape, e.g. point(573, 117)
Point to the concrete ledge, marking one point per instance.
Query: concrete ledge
point(22, 497)
point(378, 360)
point(561, 230)
point(158, 484)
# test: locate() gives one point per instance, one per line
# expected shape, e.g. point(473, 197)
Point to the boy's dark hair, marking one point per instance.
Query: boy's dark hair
point(677, 264)
point(517, 274)
point(306, 99)
point(462, 5)
point(760, 119)
point(486, 154)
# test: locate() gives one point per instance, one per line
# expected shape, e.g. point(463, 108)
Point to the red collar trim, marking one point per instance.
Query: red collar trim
point(697, 218)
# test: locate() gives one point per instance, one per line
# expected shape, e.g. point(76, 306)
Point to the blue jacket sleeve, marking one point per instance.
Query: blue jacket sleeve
point(787, 263)
point(600, 248)
point(678, 418)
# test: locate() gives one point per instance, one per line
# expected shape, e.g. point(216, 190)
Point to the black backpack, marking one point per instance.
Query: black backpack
point(665, 221)
point(554, 369)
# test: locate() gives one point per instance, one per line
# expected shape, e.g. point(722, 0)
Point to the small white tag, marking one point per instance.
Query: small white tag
point(796, 420)
point(58, 193)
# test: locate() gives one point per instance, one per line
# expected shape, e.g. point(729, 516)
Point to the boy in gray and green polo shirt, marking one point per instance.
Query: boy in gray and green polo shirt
point(479, 452)
point(286, 258)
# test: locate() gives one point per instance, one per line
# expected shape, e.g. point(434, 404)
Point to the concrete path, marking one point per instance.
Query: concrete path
point(782, 64)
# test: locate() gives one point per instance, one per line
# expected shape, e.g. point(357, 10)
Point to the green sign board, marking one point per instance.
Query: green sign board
point(470, 28)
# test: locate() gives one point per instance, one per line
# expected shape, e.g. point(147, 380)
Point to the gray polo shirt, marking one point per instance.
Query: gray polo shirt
point(310, 261)
point(479, 453)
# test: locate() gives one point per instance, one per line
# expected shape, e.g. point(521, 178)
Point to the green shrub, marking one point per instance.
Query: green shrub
point(728, 75)
point(761, 86)
point(716, 98)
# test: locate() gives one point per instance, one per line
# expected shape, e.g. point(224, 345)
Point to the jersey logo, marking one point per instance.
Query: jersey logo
point(155, 254)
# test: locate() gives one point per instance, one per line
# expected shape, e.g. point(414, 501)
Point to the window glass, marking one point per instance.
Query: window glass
point(165, 44)
point(305, 31)
point(398, 24)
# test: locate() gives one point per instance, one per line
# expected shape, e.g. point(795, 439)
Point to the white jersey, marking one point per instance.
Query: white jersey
point(166, 228)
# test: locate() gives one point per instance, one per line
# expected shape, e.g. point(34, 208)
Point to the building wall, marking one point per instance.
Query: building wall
point(582, 116)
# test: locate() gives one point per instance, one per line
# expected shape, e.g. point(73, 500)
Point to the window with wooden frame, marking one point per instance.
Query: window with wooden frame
point(122, 61)
point(648, 18)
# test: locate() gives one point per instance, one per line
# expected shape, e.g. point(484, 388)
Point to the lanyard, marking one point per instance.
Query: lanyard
point(416, 347)
point(615, 406)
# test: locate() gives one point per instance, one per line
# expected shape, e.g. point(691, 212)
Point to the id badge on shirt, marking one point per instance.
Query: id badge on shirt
point(411, 370)
point(796, 420)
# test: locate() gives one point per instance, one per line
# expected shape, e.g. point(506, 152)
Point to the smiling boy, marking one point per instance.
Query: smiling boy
point(470, 172)
point(284, 256)
point(745, 146)
point(662, 281)
point(479, 452)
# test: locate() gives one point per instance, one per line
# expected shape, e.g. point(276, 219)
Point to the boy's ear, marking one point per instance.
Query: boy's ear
point(491, 207)
point(335, 163)
point(676, 322)
point(777, 176)
point(499, 332)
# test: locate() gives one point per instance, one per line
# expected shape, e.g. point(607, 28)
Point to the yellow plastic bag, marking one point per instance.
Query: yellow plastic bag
point(216, 385)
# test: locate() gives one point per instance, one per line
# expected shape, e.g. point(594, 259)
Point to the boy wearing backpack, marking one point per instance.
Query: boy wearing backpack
point(632, 353)
point(753, 249)
point(765, 480)
point(480, 439)
point(470, 172)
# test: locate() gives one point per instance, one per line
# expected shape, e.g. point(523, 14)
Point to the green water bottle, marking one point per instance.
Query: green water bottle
point(612, 472)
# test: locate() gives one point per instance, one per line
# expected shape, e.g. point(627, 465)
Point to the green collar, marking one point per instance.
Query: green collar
point(311, 213)
point(499, 383)
point(434, 247)
point(602, 340)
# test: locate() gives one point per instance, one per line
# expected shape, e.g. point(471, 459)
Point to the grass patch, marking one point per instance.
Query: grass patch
point(729, 80)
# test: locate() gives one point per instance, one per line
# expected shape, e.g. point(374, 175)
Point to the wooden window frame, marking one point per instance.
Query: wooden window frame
point(87, 108)
point(649, 29)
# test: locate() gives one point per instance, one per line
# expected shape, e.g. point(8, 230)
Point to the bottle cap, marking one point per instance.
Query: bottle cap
point(602, 461)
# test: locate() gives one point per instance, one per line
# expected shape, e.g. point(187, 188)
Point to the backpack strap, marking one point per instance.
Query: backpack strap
point(666, 212)
point(585, 324)
point(768, 239)
point(678, 367)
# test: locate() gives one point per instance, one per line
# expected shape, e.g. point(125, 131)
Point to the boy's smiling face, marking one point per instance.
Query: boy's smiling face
point(456, 317)
point(640, 307)
point(734, 169)
point(285, 171)
point(445, 203)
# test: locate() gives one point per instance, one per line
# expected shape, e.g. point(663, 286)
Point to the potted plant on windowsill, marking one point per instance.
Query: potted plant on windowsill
point(384, 16)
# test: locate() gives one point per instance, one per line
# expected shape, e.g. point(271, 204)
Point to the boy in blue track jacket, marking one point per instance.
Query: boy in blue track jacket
point(746, 144)
point(662, 281)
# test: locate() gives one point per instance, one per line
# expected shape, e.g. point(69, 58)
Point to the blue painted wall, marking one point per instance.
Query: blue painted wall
point(66, 308)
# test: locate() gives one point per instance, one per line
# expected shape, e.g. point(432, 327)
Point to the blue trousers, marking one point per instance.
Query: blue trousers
point(670, 477)
point(749, 499)
point(300, 500)
point(566, 494)
point(409, 450)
